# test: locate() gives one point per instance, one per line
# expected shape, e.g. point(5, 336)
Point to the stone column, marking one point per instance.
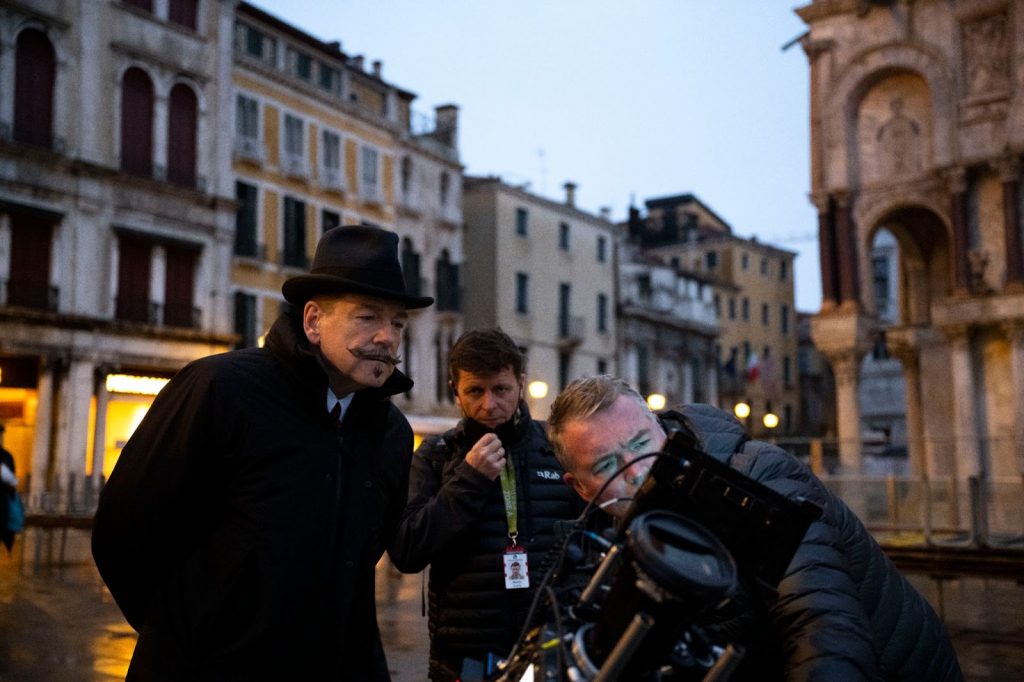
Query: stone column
point(8, 48)
point(1009, 171)
point(161, 116)
point(74, 432)
point(1015, 333)
point(99, 433)
point(957, 179)
point(965, 427)
point(849, 264)
point(711, 372)
point(846, 368)
point(921, 461)
point(827, 253)
point(45, 393)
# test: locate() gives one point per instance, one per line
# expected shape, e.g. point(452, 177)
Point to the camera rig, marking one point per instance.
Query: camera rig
point(697, 533)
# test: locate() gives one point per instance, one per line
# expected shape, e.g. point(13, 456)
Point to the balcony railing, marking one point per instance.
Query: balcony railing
point(137, 309)
point(181, 315)
point(32, 294)
point(572, 328)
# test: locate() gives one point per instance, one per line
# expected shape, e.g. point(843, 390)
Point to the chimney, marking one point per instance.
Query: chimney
point(377, 68)
point(570, 194)
point(446, 124)
point(335, 45)
point(636, 225)
point(357, 62)
point(606, 213)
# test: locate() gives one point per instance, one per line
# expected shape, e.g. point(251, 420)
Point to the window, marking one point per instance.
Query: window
point(447, 279)
point(445, 188)
point(784, 318)
point(254, 44)
point(732, 308)
point(331, 160)
point(411, 268)
point(133, 272)
point(181, 136)
point(245, 221)
point(764, 314)
point(644, 288)
point(602, 250)
point(369, 174)
point(34, 75)
point(294, 233)
point(245, 319)
point(137, 123)
point(718, 306)
point(406, 179)
point(28, 284)
point(564, 310)
point(787, 371)
point(746, 308)
point(179, 287)
point(880, 278)
point(329, 78)
point(783, 269)
point(602, 313)
point(247, 117)
point(643, 370)
point(293, 135)
point(329, 220)
point(183, 12)
point(787, 417)
point(522, 218)
point(522, 292)
point(141, 4)
point(303, 66)
point(602, 366)
point(744, 260)
point(564, 361)
point(764, 267)
point(563, 236)
point(711, 259)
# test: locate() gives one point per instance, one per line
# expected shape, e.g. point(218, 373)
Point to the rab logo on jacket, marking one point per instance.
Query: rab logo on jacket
point(549, 475)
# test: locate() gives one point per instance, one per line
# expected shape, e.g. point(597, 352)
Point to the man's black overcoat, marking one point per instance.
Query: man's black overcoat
point(240, 528)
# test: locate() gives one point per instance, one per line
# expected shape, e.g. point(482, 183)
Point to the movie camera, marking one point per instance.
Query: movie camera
point(632, 604)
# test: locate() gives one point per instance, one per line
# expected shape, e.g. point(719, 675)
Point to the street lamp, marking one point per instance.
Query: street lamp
point(537, 389)
point(741, 410)
point(656, 402)
point(770, 420)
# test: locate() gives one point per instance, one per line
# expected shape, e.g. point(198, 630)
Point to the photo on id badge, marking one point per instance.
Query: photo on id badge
point(516, 571)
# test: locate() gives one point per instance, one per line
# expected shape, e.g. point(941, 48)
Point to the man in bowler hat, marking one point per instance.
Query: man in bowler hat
point(241, 525)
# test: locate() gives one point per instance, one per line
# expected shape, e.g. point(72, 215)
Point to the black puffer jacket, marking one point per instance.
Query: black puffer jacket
point(240, 529)
point(455, 522)
point(844, 612)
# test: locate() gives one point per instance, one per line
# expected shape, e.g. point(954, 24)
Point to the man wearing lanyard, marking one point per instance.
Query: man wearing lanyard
point(483, 501)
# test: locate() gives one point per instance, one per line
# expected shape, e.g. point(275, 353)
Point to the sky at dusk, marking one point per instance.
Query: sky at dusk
point(630, 100)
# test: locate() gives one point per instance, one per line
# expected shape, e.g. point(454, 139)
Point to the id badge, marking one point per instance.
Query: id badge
point(517, 574)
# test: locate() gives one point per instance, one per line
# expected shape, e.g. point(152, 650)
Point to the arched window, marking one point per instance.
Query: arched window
point(137, 123)
point(34, 74)
point(181, 136)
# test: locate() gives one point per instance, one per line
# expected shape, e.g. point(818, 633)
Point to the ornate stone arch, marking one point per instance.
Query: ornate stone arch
point(857, 78)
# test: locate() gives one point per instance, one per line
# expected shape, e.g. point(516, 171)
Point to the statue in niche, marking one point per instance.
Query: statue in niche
point(985, 55)
point(898, 142)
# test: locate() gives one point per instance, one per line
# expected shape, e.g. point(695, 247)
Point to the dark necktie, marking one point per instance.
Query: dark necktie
point(336, 415)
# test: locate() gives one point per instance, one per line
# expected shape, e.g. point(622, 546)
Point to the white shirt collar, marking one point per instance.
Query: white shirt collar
point(333, 400)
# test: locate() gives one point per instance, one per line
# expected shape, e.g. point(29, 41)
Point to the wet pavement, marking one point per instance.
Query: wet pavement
point(60, 624)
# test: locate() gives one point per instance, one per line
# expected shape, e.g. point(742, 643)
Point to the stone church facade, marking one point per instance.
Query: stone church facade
point(917, 128)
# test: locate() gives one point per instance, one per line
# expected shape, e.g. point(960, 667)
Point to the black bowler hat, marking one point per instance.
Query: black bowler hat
point(355, 259)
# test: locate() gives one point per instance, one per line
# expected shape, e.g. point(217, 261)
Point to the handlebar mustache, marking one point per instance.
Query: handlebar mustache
point(379, 356)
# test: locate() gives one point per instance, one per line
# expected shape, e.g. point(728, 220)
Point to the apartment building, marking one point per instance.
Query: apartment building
point(320, 139)
point(545, 272)
point(667, 329)
point(753, 298)
point(115, 232)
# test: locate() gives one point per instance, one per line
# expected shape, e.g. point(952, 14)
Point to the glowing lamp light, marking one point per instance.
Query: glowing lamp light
point(741, 410)
point(126, 383)
point(537, 389)
point(656, 401)
point(771, 420)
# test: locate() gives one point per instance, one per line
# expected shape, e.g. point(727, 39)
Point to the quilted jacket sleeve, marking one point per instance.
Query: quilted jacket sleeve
point(439, 507)
point(819, 615)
